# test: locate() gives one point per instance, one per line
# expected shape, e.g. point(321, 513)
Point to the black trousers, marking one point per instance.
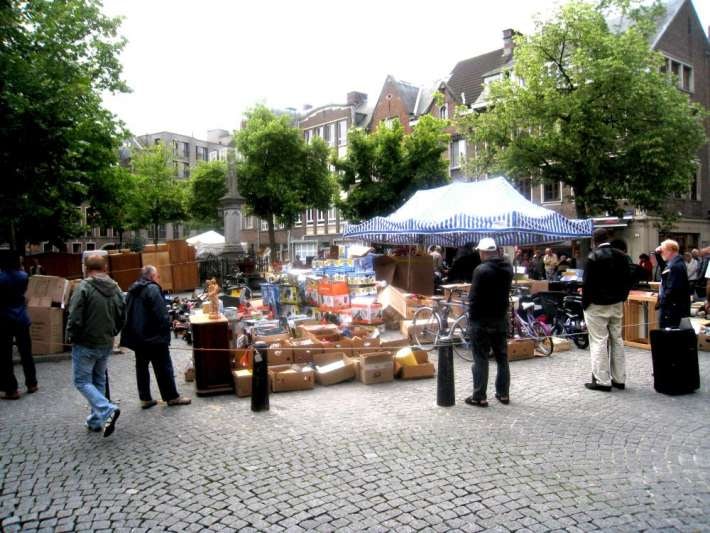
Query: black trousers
point(159, 356)
point(9, 330)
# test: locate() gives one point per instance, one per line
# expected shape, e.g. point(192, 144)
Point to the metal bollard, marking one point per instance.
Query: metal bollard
point(260, 379)
point(445, 374)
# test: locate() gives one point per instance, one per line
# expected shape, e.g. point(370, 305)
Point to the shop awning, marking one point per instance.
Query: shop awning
point(458, 213)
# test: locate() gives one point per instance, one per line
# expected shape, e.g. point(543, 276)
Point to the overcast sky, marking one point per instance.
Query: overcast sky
point(197, 65)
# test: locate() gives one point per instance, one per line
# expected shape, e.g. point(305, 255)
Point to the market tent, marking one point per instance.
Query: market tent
point(206, 243)
point(459, 213)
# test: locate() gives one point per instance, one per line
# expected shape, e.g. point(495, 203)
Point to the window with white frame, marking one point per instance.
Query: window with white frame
point(309, 216)
point(321, 216)
point(90, 246)
point(331, 134)
point(47, 247)
point(299, 220)
point(524, 187)
point(342, 132)
point(683, 73)
point(332, 215)
point(457, 153)
point(76, 247)
point(444, 112)
point(320, 131)
point(307, 136)
point(264, 225)
point(326, 134)
point(551, 192)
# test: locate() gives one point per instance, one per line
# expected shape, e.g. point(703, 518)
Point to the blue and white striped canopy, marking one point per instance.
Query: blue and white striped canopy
point(459, 213)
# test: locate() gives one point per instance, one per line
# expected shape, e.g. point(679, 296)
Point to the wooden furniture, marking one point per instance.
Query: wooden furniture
point(211, 355)
point(639, 319)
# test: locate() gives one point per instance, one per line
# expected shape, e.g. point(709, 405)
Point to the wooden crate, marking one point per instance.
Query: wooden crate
point(161, 261)
point(125, 268)
point(639, 319)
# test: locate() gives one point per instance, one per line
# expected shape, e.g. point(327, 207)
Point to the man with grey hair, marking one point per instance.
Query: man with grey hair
point(147, 333)
point(674, 295)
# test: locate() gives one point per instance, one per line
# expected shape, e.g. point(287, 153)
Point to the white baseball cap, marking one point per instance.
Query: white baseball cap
point(487, 245)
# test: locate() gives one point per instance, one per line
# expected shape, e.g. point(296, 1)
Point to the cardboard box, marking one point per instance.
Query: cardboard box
point(291, 378)
point(365, 346)
point(279, 353)
point(376, 367)
point(47, 330)
point(320, 332)
point(561, 345)
point(243, 358)
point(395, 344)
point(242, 382)
point(423, 369)
point(47, 291)
point(271, 339)
point(304, 350)
point(342, 345)
point(704, 342)
point(336, 371)
point(407, 327)
point(520, 349)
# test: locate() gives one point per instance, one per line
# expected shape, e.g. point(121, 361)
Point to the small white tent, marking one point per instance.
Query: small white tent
point(209, 242)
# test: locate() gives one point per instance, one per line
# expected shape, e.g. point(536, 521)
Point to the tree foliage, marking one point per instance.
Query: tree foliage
point(594, 110)
point(159, 196)
point(112, 197)
point(56, 138)
point(383, 169)
point(208, 184)
point(279, 175)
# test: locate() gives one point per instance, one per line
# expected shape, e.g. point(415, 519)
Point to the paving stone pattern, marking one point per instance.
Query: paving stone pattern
point(356, 457)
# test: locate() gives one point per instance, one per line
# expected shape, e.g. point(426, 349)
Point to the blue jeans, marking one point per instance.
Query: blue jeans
point(484, 338)
point(90, 380)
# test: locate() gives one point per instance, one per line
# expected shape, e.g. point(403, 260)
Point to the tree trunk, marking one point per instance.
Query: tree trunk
point(120, 239)
point(585, 245)
point(155, 235)
point(272, 238)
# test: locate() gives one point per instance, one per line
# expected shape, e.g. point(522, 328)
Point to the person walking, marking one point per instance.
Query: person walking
point(14, 325)
point(147, 333)
point(692, 266)
point(96, 315)
point(488, 322)
point(550, 260)
point(674, 295)
point(607, 279)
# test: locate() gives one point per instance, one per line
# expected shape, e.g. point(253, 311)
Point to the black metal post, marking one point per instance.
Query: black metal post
point(445, 374)
point(260, 379)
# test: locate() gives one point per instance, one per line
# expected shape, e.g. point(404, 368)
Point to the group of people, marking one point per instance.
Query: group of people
point(98, 312)
point(608, 277)
point(545, 265)
point(697, 266)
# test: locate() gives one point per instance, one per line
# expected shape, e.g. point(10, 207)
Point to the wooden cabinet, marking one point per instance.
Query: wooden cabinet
point(640, 317)
point(211, 355)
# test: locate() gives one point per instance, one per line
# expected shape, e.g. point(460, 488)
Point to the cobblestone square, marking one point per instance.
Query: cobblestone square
point(356, 457)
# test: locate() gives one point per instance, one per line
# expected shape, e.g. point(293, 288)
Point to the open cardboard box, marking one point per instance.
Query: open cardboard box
point(305, 349)
point(47, 291)
point(286, 378)
point(320, 332)
point(271, 339)
point(279, 353)
point(365, 346)
point(520, 349)
point(334, 371)
point(376, 367)
point(342, 345)
point(423, 369)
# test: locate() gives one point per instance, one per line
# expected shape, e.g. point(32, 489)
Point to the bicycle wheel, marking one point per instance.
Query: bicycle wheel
point(461, 339)
point(425, 328)
point(543, 341)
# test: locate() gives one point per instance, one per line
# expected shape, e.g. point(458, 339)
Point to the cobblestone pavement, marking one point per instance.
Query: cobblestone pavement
point(352, 457)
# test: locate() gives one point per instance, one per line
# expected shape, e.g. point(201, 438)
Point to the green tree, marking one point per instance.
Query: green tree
point(208, 184)
point(594, 111)
point(159, 197)
point(279, 175)
point(383, 169)
point(56, 138)
point(112, 197)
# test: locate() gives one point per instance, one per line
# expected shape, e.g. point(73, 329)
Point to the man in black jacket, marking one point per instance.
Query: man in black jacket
point(147, 333)
point(674, 296)
point(488, 322)
point(607, 279)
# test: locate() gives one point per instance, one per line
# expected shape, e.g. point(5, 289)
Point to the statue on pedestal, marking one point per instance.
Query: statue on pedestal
point(213, 296)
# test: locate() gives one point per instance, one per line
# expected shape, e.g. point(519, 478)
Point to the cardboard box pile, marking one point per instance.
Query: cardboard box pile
point(47, 297)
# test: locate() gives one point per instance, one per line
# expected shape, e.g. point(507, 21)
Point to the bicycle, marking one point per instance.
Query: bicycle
point(429, 323)
point(527, 326)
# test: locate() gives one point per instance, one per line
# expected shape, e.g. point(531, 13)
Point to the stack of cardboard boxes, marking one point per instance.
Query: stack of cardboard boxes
point(47, 298)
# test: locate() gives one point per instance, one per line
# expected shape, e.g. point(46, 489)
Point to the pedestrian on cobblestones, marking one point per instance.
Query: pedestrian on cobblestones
point(488, 322)
point(674, 295)
point(147, 333)
point(14, 324)
point(607, 280)
point(96, 315)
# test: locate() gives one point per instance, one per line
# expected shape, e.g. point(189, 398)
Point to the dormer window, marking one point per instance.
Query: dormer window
point(444, 112)
point(683, 73)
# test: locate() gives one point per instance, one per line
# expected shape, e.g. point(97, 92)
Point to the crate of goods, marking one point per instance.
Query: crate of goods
point(304, 350)
point(338, 370)
point(288, 294)
point(334, 295)
point(413, 364)
point(377, 367)
point(312, 298)
point(704, 338)
point(279, 353)
point(364, 312)
point(320, 332)
point(288, 378)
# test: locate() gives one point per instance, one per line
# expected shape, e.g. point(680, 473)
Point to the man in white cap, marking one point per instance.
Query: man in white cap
point(488, 322)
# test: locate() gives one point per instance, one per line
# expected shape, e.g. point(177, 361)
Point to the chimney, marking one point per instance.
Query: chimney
point(355, 98)
point(508, 43)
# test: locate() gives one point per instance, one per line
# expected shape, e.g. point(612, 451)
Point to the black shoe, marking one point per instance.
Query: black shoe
point(110, 424)
point(596, 386)
point(147, 404)
point(505, 400)
point(92, 428)
point(477, 403)
point(620, 386)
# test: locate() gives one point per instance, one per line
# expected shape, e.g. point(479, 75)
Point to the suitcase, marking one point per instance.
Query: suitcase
point(675, 361)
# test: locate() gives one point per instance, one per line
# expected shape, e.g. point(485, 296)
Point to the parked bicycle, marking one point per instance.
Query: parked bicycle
point(524, 324)
point(430, 326)
point(569, 321)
